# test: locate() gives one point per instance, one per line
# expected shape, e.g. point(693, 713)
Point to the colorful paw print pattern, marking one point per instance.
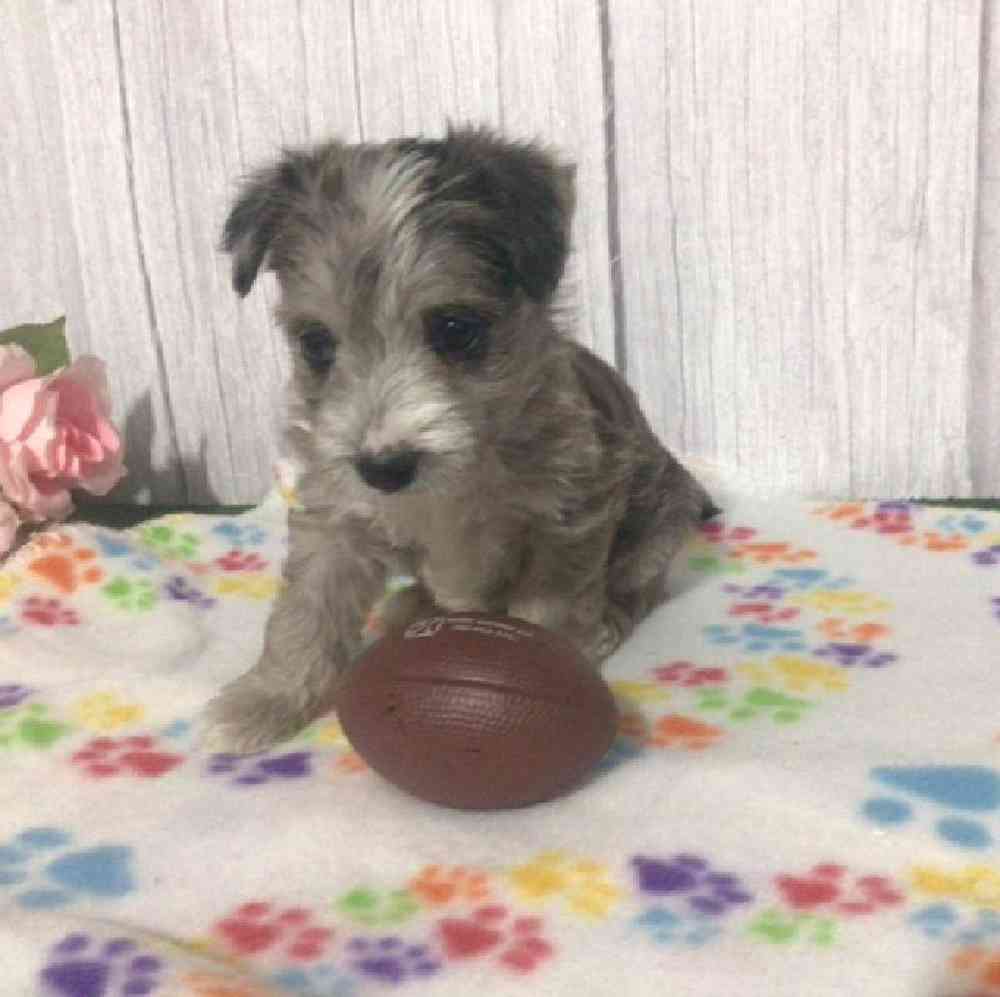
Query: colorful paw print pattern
point(794, 637)
point(445, 920)
point(68, 578)
point(790, 638)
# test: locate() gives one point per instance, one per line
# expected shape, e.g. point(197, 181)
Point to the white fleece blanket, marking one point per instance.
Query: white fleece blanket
point(804, 800)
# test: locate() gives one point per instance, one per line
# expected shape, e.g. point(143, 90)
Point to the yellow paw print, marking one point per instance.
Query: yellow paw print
point(9, 583)
point(259, 587)
point(326, 734)
point(796, 674)
point(582, 883)
point(637, 693)
point(975, 884)
point(837, 601)
point(105, 711)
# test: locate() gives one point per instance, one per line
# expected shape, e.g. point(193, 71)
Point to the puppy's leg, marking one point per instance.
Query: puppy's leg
point(663, 514)
point(564, 588)
point(333, 576)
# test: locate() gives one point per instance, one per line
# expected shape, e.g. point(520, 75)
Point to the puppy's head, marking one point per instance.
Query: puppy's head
point(416, 279)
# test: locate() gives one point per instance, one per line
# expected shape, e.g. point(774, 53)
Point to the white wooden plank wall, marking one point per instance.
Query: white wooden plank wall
point(777, 228)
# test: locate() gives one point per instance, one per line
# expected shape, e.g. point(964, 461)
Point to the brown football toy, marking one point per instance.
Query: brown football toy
point(477, 712)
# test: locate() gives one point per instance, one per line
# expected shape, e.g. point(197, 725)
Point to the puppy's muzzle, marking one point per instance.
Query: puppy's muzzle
point(388, 472)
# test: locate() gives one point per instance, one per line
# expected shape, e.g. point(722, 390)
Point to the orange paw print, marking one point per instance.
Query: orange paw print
point(983, 965)
point(676, 731)
point(633, 725)
point(64, 565)
point(350, 763)
point(213, 985)
point(772, 553)
point(438, 886)
point(842, 511)
point(944, 544)
point(861, 633)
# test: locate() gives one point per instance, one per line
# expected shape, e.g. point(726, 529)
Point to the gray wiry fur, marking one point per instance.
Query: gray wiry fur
point(538, 488)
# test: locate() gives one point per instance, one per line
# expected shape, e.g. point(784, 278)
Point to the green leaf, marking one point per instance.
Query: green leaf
point(46, 342)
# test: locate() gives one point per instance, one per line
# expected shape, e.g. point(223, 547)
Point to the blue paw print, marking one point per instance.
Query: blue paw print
point(323, 979)
point(80, 966)
point(621, 752)
point(238, 534)
point(756, 637)
point(665, 927)
point(943, 922)
point(804, 579)
point(178, 730)
point(113, 546)
point(28, 864)
point(968, 789)
point(967, 524)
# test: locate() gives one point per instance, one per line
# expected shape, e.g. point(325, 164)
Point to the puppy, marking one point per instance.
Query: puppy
point(447, 427)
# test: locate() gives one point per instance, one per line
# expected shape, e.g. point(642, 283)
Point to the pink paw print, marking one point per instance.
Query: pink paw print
point(238, 560)
point(688, 675)
point(48, 612)
point(516, 944)
point(105, 756)
point(257, 928)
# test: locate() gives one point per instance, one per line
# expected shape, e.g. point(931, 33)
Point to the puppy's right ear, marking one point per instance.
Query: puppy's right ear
point(268, 201)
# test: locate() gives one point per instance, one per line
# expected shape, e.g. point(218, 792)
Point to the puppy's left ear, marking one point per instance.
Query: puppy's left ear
point(540, 200)
point(532, 196)
point(268, 201)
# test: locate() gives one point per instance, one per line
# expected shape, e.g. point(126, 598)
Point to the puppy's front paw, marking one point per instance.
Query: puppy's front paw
point(243, 719)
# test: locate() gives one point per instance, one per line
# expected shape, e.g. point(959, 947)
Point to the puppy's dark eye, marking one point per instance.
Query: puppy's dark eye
point(458, 335)
point(318, 347)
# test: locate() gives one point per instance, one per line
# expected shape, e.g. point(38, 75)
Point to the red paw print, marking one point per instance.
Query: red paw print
point(256, 928)
point(684, 673)
point(829, 886)
point(237, 560)
point(716, 532)
point(48, 612)
point(763, 612)
point(894, 521)
point(105, 756)
point(517, 944)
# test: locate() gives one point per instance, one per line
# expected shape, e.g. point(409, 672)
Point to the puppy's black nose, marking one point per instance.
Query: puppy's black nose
point(388, 472)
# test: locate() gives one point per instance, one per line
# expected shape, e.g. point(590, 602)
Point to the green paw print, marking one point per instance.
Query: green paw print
point(779, 928)
point(30, 727)
point(710, 564)
point(171, 543)
point(376, 909)
point(136, 596)
point(780, 708)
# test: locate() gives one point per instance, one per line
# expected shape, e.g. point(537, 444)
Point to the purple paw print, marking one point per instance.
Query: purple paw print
point(12, 695)
point(770, 593)
point(181, 590)
point(390, 959)
point(708, 893)
point(988, 557)
point(80, 966)
point(252, 770)
point(849, 655)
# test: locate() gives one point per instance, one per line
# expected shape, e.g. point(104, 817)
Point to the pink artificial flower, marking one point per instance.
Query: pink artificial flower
point(9, 522)
point(55, 434)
